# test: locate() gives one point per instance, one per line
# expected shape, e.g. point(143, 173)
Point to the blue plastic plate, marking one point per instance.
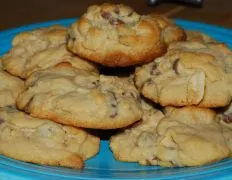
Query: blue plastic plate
point(104, 166)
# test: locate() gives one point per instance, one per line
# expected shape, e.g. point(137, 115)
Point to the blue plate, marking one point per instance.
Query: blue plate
point(104, 166)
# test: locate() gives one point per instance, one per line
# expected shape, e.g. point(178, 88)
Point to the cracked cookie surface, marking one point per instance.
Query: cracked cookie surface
point(189, 74)
point(40, 49)
point(42, 141)
point(115, 35)
point(188, 136)
point(10, 88)
point(81, 98)
point(137, 143)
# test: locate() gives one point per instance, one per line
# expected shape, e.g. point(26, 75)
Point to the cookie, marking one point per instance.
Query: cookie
point(137, 143)
point(10, 88)
point(188, 136)
point(40, 49)
point(115, 35)
point(170, 32)
point(225, 117)
point(195, 36)
point(188, 74)
point(227, 133)
point(81, 98)
point(42, 141)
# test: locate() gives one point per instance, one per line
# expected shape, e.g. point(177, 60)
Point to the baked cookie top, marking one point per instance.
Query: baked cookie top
point(115, 35)
point(42, 141)
point(188, 136)
point(10, 88)
point(188, 74)
point(81, 98)
point(137, 143)
point(196, 36)
point(39, 49)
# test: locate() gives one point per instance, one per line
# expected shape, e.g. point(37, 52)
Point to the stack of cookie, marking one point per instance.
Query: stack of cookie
point(33, 138)
point(54, 90)
point(192, 83)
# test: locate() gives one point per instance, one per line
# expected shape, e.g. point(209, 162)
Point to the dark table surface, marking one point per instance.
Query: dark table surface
point(21, 12)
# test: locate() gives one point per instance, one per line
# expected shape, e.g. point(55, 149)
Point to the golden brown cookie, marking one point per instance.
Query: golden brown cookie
point(81, 98)
point(225, 118)
point(42, 141)
point(188, 136)
point(190, 73)
point(115, 35)
point(40, 49)
point(137, 143)
point(10, 88)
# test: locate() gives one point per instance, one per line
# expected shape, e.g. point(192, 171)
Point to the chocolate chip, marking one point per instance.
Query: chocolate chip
point(148, 162)
point(132, 95)
point(154, 67)
point(1, 120)
point(227, 118)
point(96, 83)
point(172, 163)
point(70, 37)
point(130, 14)
point(154, 70)
point(106, 15)
point(156, 158)
point(175, 65)
point(116, 10)
point(148, 81)
point(113, 104)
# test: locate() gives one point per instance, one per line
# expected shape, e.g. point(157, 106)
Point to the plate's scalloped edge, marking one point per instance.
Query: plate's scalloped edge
point(206, 26)
point(215, 31)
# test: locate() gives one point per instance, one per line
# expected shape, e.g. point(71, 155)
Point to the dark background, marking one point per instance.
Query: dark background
point(21, 12)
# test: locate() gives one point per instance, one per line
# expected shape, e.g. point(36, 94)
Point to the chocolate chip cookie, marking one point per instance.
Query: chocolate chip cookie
point(10, 88)
point(188, 136)
point(40, 49)
point(190, 73)
point(42, 141)
point(116, 35)
point(81, 98)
